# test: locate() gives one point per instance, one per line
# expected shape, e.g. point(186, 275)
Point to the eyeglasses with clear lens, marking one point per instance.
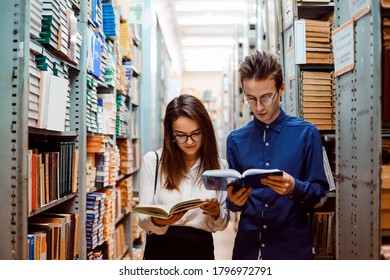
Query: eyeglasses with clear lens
point(264, 100)
point(183, 138)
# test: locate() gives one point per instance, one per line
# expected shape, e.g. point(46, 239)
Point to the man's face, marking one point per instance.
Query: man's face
point(263, 98)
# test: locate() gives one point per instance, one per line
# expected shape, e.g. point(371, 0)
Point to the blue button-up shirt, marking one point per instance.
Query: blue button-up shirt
point(273, 226)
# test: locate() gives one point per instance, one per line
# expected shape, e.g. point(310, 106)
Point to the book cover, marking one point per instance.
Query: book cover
point(166, 211)
point(220, 179)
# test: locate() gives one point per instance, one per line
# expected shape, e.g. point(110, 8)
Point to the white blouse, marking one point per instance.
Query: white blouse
point(190, 188)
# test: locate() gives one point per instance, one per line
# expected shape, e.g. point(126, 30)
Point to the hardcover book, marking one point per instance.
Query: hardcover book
point(220, 179)
point(166, 211)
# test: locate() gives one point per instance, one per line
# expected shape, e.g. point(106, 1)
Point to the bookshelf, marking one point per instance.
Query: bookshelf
point(307, 55)
point(61, 98)
point(385, 117)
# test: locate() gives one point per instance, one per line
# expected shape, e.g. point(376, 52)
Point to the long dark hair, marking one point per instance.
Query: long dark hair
point(173, 163)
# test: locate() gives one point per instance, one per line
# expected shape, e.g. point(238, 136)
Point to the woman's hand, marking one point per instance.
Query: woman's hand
point(211, 208)
point(167, 222)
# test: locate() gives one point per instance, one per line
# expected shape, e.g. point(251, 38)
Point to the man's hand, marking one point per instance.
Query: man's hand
point(282, 185)
point(239, 197)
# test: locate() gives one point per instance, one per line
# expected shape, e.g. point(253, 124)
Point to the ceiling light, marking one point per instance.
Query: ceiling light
point(207, 41)
point(184, 6)
point(206, 55)
point(204, 67)
point(210, 20)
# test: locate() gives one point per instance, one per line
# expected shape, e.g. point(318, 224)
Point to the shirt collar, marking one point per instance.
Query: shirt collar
point(275, 125)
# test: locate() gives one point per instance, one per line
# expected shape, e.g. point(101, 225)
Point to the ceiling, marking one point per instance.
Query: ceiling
point(207, 31)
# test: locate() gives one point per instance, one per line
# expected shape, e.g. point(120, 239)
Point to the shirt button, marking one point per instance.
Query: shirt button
point(267, 126)
point(263, 245)
point(265, 205)
point(265, 226)
point(267, 144)
point(267, 164)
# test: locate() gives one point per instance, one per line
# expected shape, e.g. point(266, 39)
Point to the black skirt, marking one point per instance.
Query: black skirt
point(180, 243)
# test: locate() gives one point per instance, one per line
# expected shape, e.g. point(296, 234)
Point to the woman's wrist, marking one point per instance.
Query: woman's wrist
point(156, 224)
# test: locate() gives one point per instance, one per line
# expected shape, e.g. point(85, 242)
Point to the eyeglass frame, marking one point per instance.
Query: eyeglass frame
point(187, 136)
point(261, 99)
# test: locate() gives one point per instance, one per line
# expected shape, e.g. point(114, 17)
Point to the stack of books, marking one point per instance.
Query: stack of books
point(102, 164)
point(126, 40)
point(318, 99)
point(94, 219)
point(318, 42)
point(114, 165)
point(109, 213)
point(34, 85)
point(385, 72)
point(123, 117)
point(126, 156)
point(121, 80)
point(134, 92)
point(54, 26)
point(386, 32)
point(35, 18)
point(385, 197)
point(109, 111)
point(125, 188)
point(95, 14)
point(109, 20)
point(110, 71)
point(92, 105)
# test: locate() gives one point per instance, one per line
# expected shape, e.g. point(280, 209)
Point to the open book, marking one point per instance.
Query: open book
point(166, 211)
point(220, 179)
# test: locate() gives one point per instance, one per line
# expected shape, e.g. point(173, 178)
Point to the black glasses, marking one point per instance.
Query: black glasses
point(182, 138)
point(264, 100)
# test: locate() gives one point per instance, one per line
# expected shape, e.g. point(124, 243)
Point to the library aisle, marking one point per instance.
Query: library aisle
point(224, 240)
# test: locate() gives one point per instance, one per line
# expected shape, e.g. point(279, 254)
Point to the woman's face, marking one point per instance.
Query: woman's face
point(188, 136)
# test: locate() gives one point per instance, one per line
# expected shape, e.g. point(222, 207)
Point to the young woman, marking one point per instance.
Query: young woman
point(189, 148)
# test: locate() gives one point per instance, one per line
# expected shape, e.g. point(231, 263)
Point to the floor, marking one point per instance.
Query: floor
point(223, 241)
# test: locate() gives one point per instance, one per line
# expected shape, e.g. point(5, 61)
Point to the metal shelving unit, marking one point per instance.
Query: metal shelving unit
point(292, 11)
point(358, 124)
point(16, 133)
point(358, 139)
point(14, 136)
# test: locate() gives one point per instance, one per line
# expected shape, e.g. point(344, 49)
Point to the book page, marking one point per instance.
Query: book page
point(219, 183)
point(187, 205)
point(220, 179)
point(166, 211)
point(161, 211)
point(222, 173)
point(266, 172)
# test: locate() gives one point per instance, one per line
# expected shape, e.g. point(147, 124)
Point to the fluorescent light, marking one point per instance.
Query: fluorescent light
point(209, 20)
point(197, 49)
point(207, 54)
point(203, 68)
point(185, 6)
point(207, 41)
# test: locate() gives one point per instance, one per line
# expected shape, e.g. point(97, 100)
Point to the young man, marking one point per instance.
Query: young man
point(274, 222)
